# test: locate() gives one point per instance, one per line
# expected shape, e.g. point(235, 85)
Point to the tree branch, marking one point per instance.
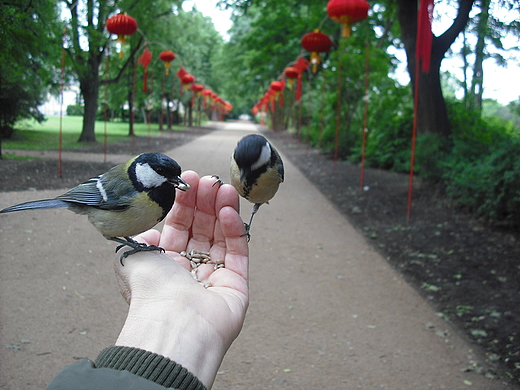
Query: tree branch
point(116, 79)
point(445, 40)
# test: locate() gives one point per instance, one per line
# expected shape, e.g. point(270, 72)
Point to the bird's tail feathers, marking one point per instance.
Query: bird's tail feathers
point(38, 204)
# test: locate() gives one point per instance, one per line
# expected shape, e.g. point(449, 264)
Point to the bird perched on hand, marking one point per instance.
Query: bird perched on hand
point(124, 201)
point(256, 171)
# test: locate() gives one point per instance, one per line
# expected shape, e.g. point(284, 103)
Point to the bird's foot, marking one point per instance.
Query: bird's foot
point(247, 234)
point(136, 247)
point(218, 181)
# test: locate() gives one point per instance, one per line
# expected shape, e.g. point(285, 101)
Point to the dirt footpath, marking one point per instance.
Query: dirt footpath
point(326, 310)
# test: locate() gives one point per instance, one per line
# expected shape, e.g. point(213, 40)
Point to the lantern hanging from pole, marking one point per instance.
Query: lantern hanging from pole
point(347, 12)
point(206, 94)
point(292, 74)
point(167, 56)
point(187, 79)
point(196, 89)
point(122, 25)
point(278, 87)
point(144, 60)
point(315, 43)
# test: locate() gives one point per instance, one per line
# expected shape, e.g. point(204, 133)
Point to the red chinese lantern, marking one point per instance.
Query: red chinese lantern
point(292, 74)
point(144, 60)
point(347, 12)
point(214, 98)
point(187, 79)
point(206, 94)
point(167, 56)
point(122, 25)
point(197, 87)
point(277, 86)
point(316, 42)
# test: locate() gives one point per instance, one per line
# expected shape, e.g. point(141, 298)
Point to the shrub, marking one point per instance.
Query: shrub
point(490, 186)
point(432, 151)
point(75, 110)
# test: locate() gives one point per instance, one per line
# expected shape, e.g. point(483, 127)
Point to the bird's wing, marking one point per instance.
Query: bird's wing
point(279, 164)
point(96, 193)
point(281, 171)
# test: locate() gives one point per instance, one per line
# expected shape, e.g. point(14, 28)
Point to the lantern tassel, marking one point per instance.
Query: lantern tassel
point(145, 83)
point(346, 30)
point(299, 88)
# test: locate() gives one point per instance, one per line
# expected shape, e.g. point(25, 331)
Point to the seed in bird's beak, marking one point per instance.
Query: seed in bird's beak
point(182, 185)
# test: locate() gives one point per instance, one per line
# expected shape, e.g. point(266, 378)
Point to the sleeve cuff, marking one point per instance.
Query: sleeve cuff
point(150, 366)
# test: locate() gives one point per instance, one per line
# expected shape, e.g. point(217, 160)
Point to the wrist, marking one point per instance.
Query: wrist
point(149, 366)
point(187, 340)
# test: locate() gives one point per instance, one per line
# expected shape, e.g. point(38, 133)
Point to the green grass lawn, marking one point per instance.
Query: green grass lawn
point(31, 135)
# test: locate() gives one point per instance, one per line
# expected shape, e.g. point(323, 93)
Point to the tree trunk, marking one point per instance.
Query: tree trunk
point(477, 81)
point(432, 114)
point(89, 86)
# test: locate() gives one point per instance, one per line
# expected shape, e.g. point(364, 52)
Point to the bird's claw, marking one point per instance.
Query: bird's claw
point(247, 234)
point(218, 181)
point(136, 247)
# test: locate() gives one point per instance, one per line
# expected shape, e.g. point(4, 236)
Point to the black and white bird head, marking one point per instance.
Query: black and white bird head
point(152, 170)
point(253, 153)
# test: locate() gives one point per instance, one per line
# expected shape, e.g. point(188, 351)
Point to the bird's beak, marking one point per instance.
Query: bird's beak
point(180, 184)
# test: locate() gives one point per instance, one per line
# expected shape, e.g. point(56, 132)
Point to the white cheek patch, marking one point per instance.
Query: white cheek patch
point(147, 176)
point(265, 156)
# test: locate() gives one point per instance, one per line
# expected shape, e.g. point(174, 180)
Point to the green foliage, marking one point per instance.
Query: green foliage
point(490, 186)
point(29, 52)
point(479, 166)
point(75, 110)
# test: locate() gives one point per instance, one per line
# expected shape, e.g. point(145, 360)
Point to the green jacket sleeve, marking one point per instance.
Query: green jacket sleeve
point(125, 368)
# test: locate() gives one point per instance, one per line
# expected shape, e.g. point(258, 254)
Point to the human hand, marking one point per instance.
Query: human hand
point(170, 313)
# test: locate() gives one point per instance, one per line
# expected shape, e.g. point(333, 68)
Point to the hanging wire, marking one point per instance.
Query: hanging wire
point(365, 115)
point(105, 111)
point(414, 137)
point(62, 87)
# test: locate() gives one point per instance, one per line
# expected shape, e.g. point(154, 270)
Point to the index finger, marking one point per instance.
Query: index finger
point(178, 222)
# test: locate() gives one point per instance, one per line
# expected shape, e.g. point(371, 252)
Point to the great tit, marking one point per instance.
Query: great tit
point(126, 200)
point(256, 172)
